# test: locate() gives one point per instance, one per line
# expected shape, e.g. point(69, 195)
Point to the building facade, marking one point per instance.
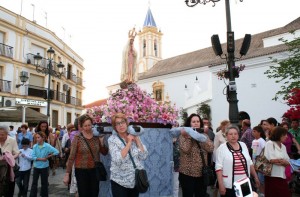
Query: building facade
point(20, 40)
point(191, 79)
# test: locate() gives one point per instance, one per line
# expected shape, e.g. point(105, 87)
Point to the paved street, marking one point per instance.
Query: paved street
point(58, 189)
point(56, 186)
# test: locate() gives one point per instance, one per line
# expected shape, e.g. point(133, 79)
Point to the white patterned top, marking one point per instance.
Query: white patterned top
point(122, 170)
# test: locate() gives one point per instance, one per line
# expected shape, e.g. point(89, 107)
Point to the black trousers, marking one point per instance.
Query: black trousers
point(192, 186)
point(87, 183)
point(120, 191)
point(23, 181)
point(44, 180)
point(11, 189)
point(229, 193)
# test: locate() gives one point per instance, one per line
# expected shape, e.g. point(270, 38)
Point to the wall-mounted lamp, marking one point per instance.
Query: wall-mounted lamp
point(23, 78)
point(197, 85)
point(186, 92)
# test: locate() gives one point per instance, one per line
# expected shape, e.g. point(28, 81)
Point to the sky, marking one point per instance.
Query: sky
point(97, 30)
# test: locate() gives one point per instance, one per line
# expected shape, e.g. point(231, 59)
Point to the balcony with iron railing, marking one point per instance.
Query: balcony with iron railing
point(78, 102)
point(79, 81)
point(6, 50)
point(5, 86)
point(43, 63)
point(71, 76)
point(41, 92)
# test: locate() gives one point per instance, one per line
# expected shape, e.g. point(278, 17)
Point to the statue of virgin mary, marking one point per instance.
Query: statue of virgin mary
point(129, 70)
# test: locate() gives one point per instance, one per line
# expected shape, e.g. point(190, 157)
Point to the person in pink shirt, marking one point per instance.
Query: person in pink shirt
point(290, 141)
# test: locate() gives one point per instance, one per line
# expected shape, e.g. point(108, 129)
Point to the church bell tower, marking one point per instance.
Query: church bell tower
point(149, 44)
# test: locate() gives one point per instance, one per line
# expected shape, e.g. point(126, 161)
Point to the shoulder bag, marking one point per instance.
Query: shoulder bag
point(100, 169)
point(208, 173)
point(141, 178)
point(262, 164)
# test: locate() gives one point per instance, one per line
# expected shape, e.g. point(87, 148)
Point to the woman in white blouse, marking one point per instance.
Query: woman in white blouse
point(122, 170)
point(276, 153)
point(233, 163)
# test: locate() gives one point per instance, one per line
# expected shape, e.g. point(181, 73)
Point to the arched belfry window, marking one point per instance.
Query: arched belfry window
point(144, 48)
point(155, 48)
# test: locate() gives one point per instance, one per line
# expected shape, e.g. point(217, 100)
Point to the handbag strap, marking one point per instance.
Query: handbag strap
point(262, 152)
point(128, 152)
point(88, 147)
point(201, 154)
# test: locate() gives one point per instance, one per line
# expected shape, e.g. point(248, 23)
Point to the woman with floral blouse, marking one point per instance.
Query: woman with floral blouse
point(121, 145)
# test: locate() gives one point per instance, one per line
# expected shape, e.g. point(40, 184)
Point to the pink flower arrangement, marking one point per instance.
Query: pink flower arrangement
point(137, 105)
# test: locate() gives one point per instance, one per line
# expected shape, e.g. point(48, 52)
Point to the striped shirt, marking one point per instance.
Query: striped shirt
point(239, 162)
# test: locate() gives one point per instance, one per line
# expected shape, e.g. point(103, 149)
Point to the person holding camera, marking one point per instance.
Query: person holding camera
point(85, 151)
point(233, 163)
point(122, 170)
point(190, 161)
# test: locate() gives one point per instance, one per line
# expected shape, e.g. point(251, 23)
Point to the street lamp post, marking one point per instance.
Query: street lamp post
point(48, 70)
point(232, 95)
point(231, 88)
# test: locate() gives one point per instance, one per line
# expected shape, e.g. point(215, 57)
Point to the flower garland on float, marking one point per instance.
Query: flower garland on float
point(137, 105)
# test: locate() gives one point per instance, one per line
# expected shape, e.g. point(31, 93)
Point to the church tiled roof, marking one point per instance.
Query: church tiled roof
point(149, 20)
point(207, 57)
point(95, 103)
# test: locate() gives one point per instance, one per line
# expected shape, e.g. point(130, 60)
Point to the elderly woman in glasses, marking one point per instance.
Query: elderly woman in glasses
point(121, 145)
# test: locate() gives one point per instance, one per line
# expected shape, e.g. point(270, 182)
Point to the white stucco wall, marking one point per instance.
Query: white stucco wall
point(175, 84)
point(254, 90)
point(274, 40)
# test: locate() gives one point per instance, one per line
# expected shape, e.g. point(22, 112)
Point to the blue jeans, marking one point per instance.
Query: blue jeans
point(22, 182)
point(44, 180)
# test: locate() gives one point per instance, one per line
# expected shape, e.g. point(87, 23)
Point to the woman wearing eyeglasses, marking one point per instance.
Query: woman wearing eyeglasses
point(122, 170)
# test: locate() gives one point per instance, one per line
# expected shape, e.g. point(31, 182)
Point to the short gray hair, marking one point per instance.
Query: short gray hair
point(232, 127)
point(4, 128)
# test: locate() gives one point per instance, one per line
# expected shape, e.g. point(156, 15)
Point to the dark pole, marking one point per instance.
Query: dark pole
point(48, 90)
point(232, 95)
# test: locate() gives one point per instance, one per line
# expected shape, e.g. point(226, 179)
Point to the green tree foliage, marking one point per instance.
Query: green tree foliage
point(183, 115)
point(204, 111)
point(287, 71)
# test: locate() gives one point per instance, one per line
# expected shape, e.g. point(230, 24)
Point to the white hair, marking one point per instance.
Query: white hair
point(4, 128)
point(232, 127)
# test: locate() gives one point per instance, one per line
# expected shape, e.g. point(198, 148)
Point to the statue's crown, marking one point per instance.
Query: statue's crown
point(132, 33)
